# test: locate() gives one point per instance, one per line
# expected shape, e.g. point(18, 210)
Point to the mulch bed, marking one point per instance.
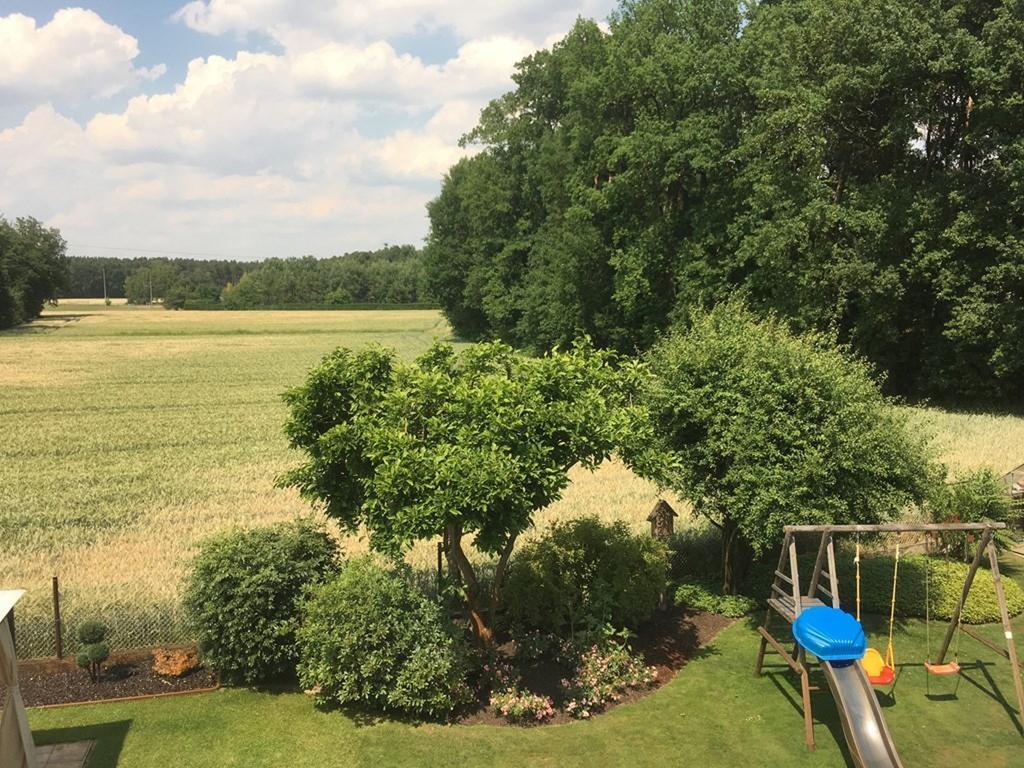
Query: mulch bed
point(667, 642)
point(52, 682)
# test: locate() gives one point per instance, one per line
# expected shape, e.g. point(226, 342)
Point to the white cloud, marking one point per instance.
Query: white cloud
point(334, 142)
point(76, 55)
point(376, 19)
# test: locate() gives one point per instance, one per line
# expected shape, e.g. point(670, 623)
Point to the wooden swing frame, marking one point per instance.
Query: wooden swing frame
point(788, 601)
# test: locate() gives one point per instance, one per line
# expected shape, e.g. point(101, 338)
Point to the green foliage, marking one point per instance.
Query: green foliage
point(392, 275)
point(945, 582)
point(32, 269)
point(199, 279)
point(89, 632)
point(853, 168)
point(93, 648)
point(584, 574)
point(455, 444)
point(243, 591)
point(369, 639)
point(702, 598)
point(975, 497)
point(761, 428)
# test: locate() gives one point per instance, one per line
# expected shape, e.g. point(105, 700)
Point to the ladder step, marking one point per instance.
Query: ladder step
point(827, 593)
point(781, 591)
point(780, 575)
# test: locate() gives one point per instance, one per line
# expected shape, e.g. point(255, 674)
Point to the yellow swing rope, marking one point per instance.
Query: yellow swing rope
point(856, 562)
point(890, 657)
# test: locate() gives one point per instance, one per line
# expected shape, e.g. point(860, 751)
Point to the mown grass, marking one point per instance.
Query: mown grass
point(132, 432)
point(714, 713)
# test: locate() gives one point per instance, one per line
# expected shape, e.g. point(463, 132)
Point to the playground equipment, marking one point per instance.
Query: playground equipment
point(880, 671)
point(839, 644)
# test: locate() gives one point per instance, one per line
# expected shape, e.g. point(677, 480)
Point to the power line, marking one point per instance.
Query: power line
point(157, 250)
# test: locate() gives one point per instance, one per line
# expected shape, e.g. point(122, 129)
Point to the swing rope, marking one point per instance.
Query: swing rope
point(890, 658)
point(953, 667)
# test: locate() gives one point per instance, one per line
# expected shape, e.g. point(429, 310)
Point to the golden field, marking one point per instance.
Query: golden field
point(132, 432)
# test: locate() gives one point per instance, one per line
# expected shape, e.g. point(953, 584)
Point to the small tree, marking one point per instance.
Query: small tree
point(763, 428)
point(94, 649)
point(453, 445)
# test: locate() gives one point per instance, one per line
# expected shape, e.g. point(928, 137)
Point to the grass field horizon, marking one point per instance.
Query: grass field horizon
point(133, 432)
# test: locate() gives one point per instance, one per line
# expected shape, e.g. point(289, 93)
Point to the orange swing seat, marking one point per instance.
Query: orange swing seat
point(949, 668)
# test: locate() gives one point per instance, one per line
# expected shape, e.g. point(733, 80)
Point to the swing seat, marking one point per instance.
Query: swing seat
point(950, 668)
point(878, 672)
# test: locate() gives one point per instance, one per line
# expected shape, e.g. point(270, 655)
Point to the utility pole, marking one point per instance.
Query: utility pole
point(105, 299)
point(150, 286)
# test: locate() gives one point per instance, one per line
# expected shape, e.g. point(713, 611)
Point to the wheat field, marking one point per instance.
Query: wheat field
point(133, 432)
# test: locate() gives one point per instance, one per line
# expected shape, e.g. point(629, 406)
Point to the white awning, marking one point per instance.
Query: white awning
point(8, 597)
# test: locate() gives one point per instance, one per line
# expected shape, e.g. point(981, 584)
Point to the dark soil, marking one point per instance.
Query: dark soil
point(667, 642)
point(65, 683)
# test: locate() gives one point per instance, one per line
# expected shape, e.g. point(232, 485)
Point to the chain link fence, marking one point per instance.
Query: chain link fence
point(48, 616)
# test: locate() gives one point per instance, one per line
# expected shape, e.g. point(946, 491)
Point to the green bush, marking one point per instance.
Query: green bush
point(369, 639)
point(93, 648)
point(695, 553)
point(585, 574)
point(243, 591)
point(946, 582)
point(702, 598)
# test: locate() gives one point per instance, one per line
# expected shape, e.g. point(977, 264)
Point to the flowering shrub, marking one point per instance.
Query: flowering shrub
point(519, 706)
point(603, 672)
point(496, 672)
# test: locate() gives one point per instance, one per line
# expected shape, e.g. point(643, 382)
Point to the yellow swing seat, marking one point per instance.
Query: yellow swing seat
point(878, 669)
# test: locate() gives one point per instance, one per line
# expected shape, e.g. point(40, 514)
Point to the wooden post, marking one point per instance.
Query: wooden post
point(833, 579)
point(1011, 648)
point(951, 629)
point(816, 575)
point(57, 633)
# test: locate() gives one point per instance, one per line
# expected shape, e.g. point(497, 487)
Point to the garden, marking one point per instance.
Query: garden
point(342, 658)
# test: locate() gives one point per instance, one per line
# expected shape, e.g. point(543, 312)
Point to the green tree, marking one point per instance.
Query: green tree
point(151, 282)
point(764, 428)
point(32, 269)
point(454, 445)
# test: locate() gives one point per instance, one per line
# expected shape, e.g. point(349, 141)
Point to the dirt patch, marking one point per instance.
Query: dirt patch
point(61, 682)
point(667, 643)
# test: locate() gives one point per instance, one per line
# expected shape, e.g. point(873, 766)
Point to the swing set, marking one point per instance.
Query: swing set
point(788, 600)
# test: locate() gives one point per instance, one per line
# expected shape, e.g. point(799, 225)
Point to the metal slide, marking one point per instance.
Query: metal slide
point(866, 732)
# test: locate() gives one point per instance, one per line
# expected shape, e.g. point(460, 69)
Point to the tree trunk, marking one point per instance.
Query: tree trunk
point(481, 604)
point(736, 557)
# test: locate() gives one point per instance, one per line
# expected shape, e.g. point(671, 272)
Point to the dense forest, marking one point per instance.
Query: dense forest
point(32, 270)
point(854, 167)
point(391, 275)
point(132, 278)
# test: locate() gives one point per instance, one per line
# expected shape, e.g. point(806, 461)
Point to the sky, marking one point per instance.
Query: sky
point(249, 128)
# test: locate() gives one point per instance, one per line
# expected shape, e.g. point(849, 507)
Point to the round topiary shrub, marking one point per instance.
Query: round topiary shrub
point(93, 648)
point(585, 574)
point(243, 592)
point(370, 639)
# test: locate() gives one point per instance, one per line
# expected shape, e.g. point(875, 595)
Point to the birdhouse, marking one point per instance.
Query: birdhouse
point(661, 519)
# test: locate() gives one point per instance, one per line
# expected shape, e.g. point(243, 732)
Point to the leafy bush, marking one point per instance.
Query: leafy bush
point(243, 592)
point(695, 553)
point(946, 582)
point(701, 597)
point(368, 638)
point(975, 497)
point(585, 574)
point(602, 672)
point(519, 706)
point(93, 648)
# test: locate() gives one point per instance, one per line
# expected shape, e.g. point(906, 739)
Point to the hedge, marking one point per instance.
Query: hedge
point(946, 582)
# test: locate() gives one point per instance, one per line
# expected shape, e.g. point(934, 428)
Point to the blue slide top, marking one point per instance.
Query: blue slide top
point(830, 634)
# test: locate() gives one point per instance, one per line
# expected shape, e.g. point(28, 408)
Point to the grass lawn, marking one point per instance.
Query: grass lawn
point(715, 713)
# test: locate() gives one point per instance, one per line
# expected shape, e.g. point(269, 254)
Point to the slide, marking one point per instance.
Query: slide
point(866, 732)
point(837, 639)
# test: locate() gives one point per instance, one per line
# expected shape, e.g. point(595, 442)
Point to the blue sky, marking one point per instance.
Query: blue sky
point(249, 128)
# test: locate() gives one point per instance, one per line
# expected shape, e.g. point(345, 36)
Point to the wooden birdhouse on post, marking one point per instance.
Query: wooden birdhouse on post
point(661, 520)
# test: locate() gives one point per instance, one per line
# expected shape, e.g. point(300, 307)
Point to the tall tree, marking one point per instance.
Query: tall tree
point(32, 269)
point(466, 446)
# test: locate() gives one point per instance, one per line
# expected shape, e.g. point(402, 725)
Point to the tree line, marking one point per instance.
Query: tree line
point(854, 168)
point(32, 270)
point(390, 275)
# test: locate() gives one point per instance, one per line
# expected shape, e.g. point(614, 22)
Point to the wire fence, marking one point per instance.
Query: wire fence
point(48, 616)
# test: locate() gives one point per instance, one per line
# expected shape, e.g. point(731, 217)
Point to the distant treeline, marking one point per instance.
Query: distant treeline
point(32, 270)
point(391, 275)
point(854, 167)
